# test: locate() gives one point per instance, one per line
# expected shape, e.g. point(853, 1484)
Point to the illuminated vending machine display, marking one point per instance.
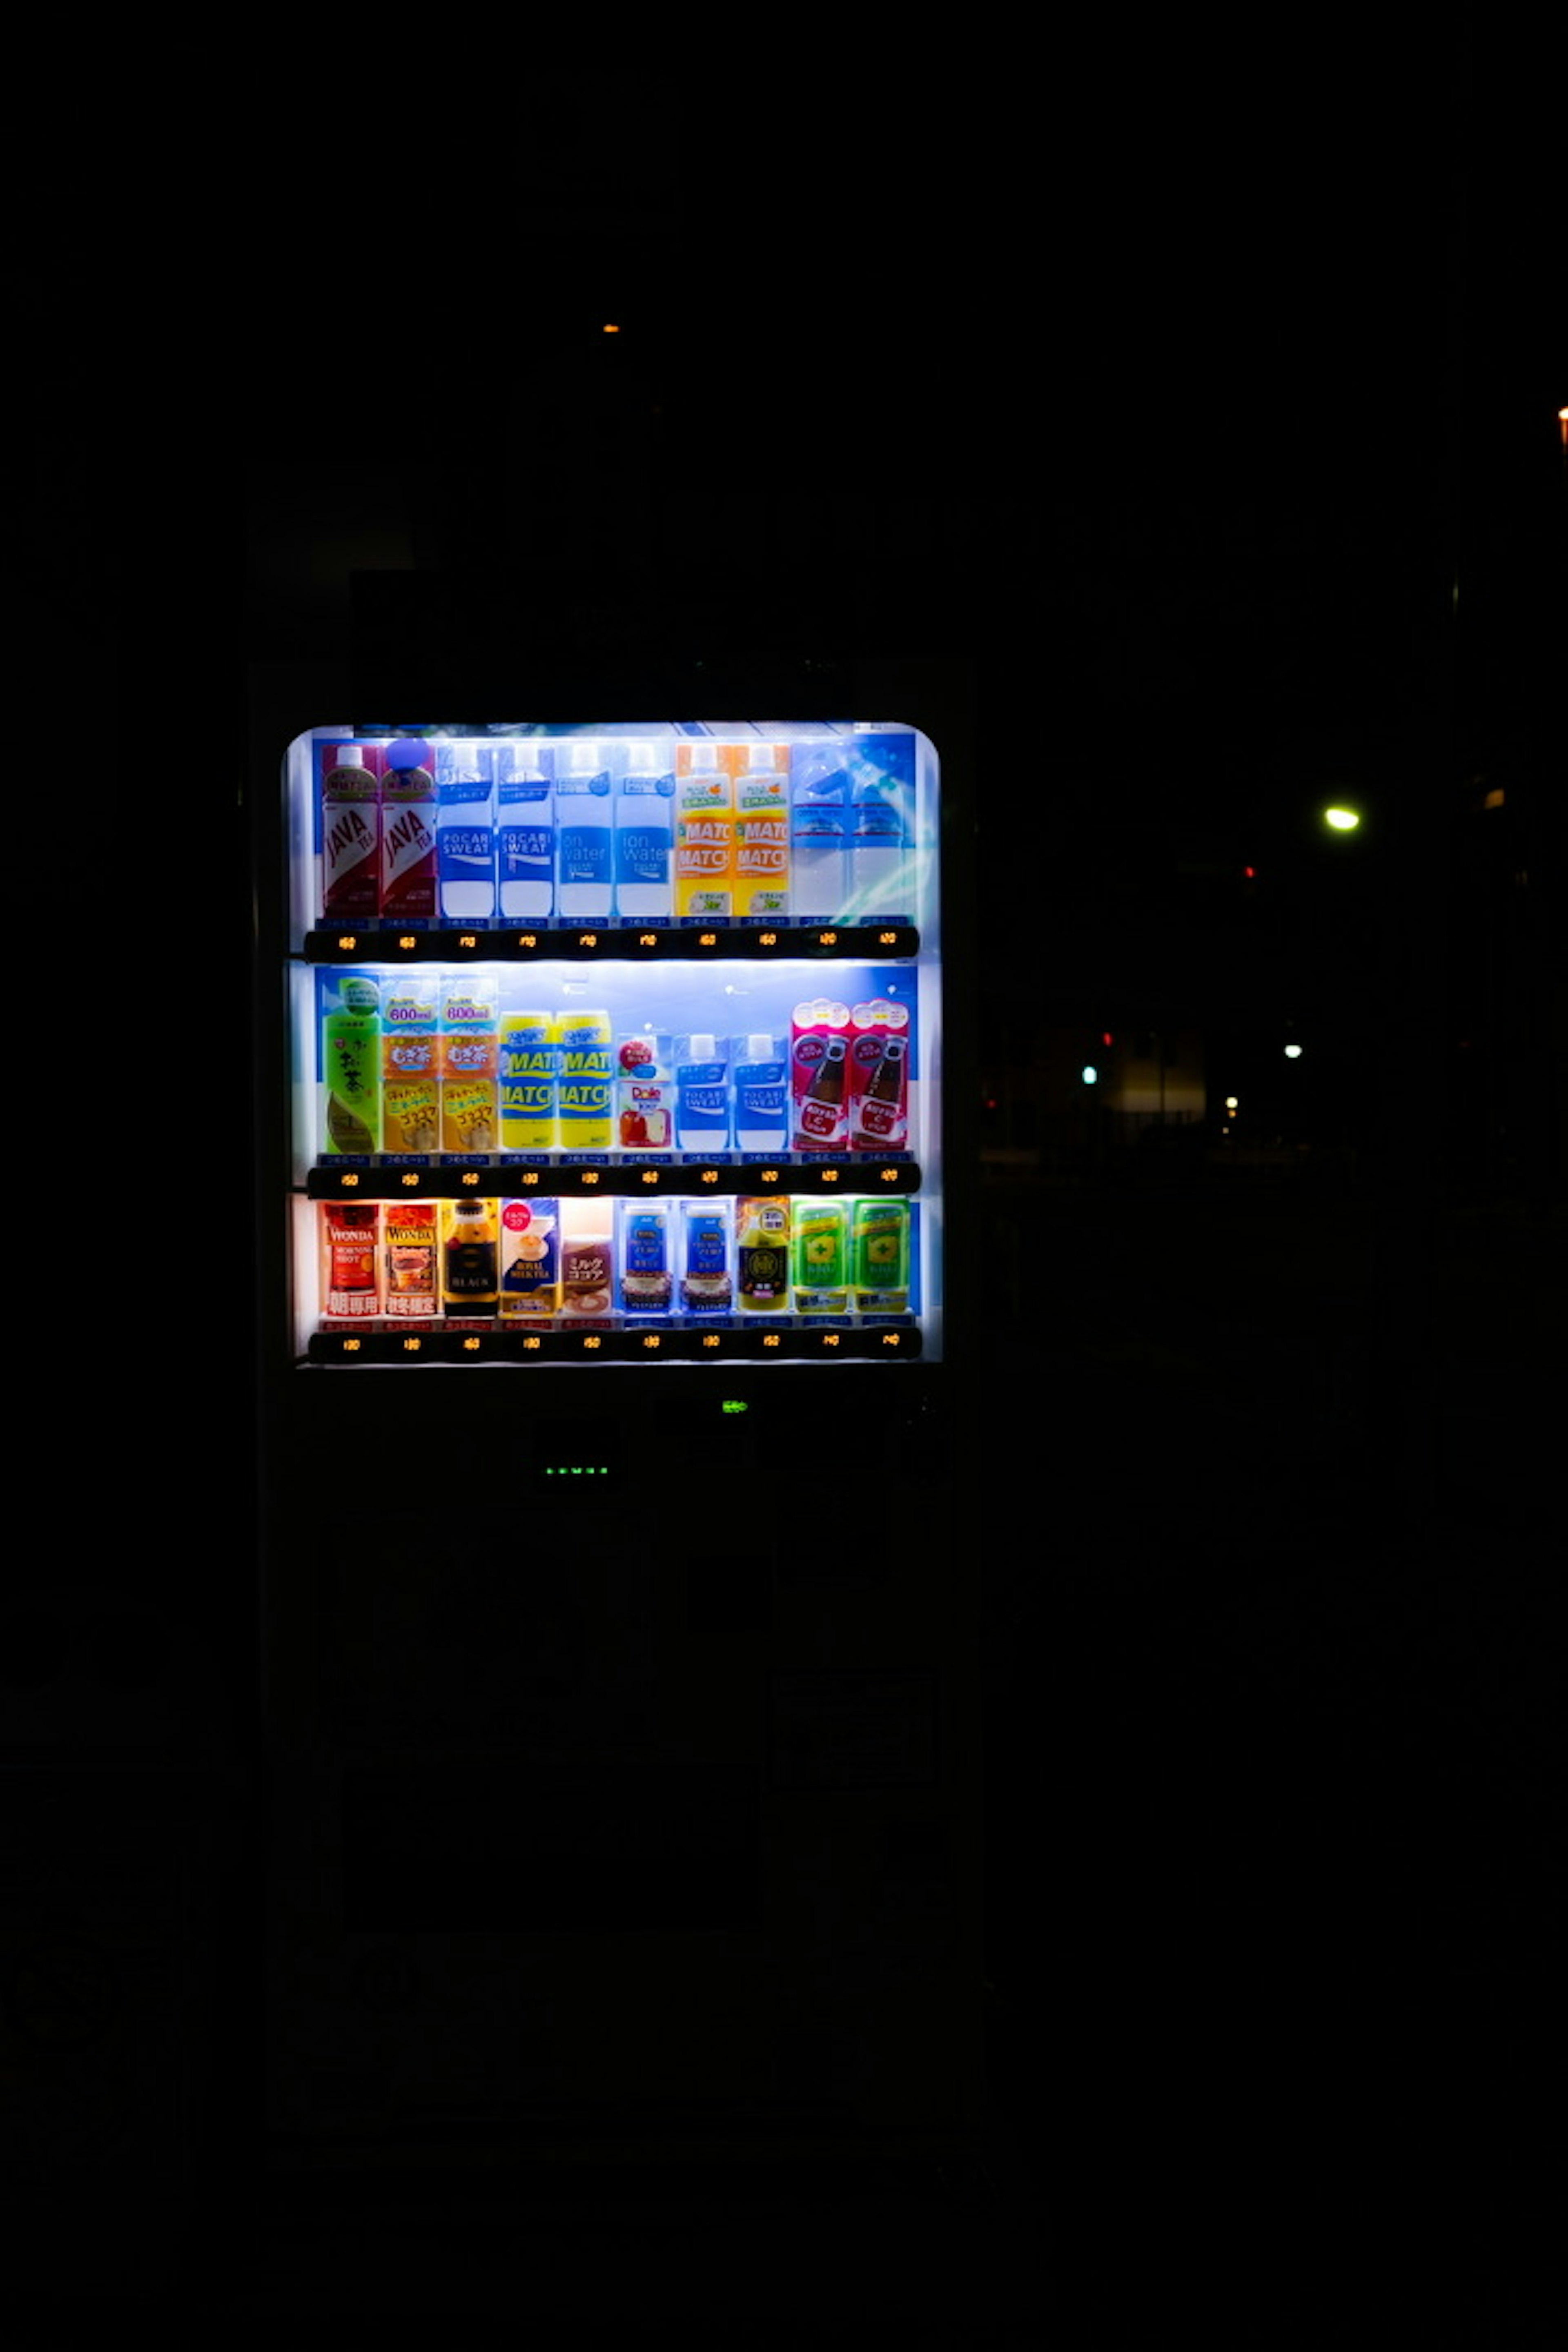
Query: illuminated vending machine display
point(614, 1044)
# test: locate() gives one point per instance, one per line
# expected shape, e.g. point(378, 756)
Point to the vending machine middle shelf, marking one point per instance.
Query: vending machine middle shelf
point(626, 1179)
point(613, 942)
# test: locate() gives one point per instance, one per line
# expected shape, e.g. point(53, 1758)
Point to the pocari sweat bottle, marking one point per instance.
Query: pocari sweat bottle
point(465, 833)
point(525, 836)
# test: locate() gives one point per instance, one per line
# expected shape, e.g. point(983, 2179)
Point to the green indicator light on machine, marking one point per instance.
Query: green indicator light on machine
point(734, 1404)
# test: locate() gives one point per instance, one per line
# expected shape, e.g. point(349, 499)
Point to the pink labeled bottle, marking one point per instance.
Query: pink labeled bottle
point(819, 1049)
point(408, 847)
point(351, 838)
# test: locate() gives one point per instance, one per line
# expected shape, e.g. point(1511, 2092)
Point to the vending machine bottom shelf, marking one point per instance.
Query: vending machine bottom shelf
point(887, 1342)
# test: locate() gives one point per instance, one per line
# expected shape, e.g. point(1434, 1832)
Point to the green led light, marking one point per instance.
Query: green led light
point(734, 1404)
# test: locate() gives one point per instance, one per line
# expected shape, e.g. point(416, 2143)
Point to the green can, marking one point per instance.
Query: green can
point(819, 1247)
point(880, 1256)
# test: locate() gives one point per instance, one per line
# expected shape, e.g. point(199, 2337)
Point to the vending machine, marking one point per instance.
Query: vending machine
point(616, 1577)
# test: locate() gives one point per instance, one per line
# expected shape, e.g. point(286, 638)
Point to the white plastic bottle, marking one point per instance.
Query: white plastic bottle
point(644, 836)
point(525, 836)
point(465, 833)
point(582, 834)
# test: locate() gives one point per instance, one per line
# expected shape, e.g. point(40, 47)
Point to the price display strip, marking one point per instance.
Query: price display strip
point(614, 943)
point(628, 1180)
point(762, 1343)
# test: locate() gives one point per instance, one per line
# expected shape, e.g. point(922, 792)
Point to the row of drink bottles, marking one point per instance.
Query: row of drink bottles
point(537, 1260)
point(421, 1065)
point(578, 832)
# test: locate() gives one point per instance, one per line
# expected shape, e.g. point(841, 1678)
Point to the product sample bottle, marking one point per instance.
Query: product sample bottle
point(704, 840)
point(470, 1281)
point(582, 834)
point(587, 1259)
point(761, 1096)
point(761, 1253)
point(527, 1082)
point(820, 1257)
point(818, 1053)
point(410, 1111)
point(351, 838)
point(350, 1071)
point(648, 1285)
point(878, 882)
point(706, 1284)
point(644, 828)
point(469, 1051)
point(878, 1077)
point(529, 1260)
point(762, 836)
point(645, 1094)
point(819, 845)
point(583, 1042)
point(701, 1094)
point(407, 835)
point(525, 836)
point(347, 1233)
point(410, 1253)
point(465, 833)
point(880, 1256)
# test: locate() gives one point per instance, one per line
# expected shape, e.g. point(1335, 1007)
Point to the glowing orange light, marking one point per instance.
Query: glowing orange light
point(612, 331)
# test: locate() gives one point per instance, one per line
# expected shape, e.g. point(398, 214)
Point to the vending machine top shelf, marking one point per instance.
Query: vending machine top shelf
point(629, 840)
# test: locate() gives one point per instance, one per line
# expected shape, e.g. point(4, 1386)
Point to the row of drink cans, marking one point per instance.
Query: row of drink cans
point(564, 1261)
point(479, 833)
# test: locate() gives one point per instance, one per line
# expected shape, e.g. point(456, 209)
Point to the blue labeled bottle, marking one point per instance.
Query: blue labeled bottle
point(465, 833)
point(525, 836)
point(644, 837)
point(584, 827)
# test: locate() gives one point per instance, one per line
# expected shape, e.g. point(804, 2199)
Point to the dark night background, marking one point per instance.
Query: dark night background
point(1177, 407)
